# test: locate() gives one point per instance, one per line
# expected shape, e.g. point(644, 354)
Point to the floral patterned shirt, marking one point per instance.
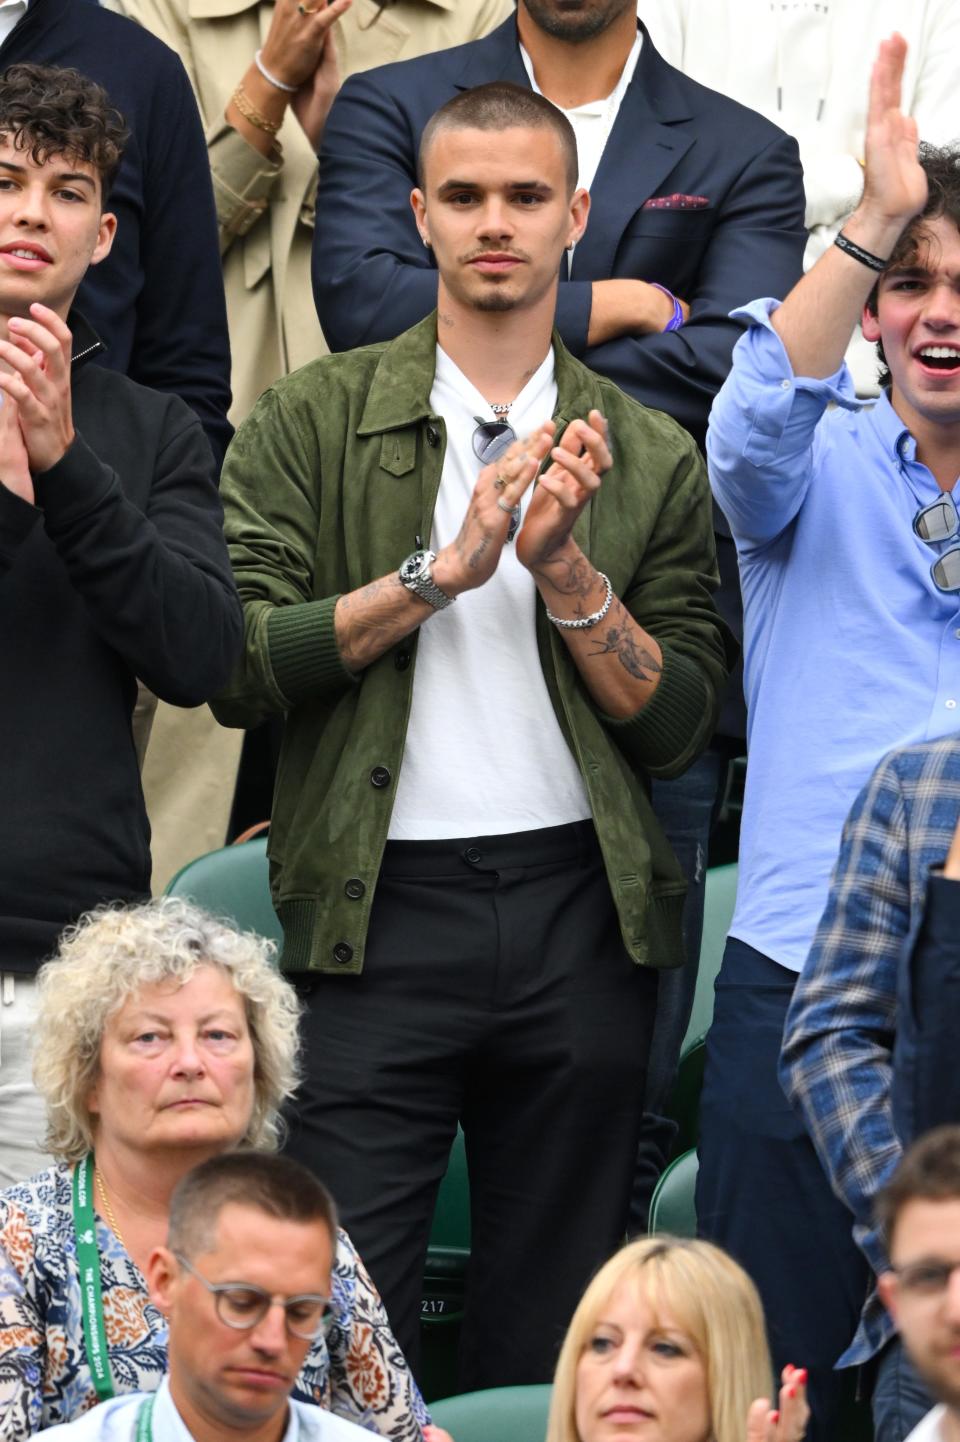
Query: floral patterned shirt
point(356, 1371)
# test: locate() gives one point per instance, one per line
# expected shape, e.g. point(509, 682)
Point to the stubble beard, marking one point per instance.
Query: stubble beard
point(574, 27)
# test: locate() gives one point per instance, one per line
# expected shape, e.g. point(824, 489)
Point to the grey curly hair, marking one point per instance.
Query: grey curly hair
point(105, 958)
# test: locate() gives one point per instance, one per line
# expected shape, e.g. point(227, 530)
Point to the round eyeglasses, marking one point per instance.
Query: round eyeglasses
point(242, 1305)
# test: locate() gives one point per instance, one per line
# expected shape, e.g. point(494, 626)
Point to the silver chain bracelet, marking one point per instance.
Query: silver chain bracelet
point(584, 623)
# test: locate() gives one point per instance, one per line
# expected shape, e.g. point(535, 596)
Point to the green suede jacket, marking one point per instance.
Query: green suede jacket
point(330, 483)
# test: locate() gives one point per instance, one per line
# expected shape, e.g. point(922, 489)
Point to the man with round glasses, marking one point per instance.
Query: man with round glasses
point(847, 541)
point(919, 1210)
point(244, 1282)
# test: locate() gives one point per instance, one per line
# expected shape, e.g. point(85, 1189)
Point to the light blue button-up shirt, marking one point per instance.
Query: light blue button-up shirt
point(116, 1421)
point(849, 648)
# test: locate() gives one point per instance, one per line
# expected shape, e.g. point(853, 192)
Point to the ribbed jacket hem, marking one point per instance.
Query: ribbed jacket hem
point(677, 708)
point(303, 649)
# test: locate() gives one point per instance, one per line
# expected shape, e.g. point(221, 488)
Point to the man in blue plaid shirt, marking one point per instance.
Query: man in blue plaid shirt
point(891, 925)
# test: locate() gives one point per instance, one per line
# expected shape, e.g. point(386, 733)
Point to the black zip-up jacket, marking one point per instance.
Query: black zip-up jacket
point(157, 300)
point(120, 570)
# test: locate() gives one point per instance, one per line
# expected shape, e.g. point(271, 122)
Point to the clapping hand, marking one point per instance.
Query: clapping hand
point(37, 380)
point(789, 1422)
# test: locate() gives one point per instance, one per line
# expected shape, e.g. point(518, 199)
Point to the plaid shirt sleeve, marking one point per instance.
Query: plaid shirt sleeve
point(836, 1064)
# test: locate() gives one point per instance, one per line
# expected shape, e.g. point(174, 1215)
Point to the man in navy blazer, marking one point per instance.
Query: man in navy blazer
point(693, 191)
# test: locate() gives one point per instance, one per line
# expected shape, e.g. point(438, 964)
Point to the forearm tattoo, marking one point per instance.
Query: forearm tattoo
point(637, 660)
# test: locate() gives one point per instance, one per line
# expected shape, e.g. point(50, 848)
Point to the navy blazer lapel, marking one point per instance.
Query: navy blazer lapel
point(495, 57)
point(644, 146)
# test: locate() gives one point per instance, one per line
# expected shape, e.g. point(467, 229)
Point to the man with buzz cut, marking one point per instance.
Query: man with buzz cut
point(486, 635)
point(112, 563)
point(697, 206)
point(244, 1283)
point(849, 545)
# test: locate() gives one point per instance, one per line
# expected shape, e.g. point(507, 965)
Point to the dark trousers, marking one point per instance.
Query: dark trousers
point(686, 807)
point(762, 1193)
point(496, 990)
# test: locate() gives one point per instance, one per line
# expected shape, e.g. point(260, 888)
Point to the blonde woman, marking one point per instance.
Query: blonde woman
point(668, 1345)
point(164, 1038)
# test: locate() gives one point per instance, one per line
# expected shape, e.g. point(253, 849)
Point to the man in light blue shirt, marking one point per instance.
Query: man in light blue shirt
point(850, 562)
point(244, 1283)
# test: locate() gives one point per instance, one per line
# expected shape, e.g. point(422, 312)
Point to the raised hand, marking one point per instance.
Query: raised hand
point(895, 185)
point(789, 1423)
point(38, 381)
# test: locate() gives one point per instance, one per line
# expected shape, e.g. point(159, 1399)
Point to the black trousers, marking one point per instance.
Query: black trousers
point(496, 991)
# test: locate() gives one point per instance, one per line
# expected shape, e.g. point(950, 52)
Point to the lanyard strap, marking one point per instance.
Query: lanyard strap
point(144, 1431)
point(91, 1297)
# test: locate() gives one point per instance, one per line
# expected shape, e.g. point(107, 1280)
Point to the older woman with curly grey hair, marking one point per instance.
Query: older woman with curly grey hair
point(163, 1037)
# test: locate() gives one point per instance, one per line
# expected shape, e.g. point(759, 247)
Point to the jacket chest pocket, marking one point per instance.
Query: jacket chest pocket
point(398, 452)
point(666, 246)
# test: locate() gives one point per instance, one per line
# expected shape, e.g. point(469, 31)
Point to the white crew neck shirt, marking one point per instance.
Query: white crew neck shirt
point(593, 122)
point(484, 754)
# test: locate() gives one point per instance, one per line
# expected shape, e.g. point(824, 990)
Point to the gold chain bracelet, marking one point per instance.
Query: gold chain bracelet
point(250, 112)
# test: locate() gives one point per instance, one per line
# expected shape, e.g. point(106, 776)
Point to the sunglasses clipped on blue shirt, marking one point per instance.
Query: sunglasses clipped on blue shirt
point(938, 522)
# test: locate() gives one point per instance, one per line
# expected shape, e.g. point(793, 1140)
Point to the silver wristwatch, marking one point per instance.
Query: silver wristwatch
point(415, 575)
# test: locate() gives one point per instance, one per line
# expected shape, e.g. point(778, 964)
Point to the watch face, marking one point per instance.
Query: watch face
point(415, 566)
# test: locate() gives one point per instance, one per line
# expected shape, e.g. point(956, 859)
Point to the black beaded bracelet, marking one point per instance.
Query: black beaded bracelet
point(865, 257)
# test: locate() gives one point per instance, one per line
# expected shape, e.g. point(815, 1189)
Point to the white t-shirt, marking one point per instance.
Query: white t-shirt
point(931, 1429)
point(484, 753)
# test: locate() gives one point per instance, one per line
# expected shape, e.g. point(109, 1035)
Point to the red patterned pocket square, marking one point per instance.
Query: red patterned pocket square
point(676, 202)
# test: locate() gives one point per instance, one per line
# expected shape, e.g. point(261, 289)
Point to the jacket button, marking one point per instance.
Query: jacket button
point(343, 952)
point(354, 888)
point(433, 436)
point(379, 777)
point(402, 659)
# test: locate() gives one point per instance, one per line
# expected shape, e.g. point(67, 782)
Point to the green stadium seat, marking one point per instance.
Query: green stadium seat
point(501, 1414)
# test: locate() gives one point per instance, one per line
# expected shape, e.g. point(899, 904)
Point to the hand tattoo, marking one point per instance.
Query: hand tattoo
point(575, 577)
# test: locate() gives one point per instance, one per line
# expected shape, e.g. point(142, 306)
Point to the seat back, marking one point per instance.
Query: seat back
point(673, 1205)
point(501, 1414)
point(720, 894)
point(444, 1277)
point(234, 883)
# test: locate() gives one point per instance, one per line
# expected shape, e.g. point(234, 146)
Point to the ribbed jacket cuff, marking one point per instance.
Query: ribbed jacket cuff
point(666, 728)
point(303, 650)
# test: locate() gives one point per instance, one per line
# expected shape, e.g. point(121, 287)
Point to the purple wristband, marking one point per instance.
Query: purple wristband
point(676, 320)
